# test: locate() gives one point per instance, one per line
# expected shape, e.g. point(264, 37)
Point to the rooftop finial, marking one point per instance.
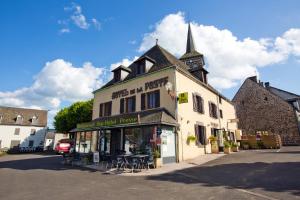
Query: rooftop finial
point(156, 42)
point(190, 47)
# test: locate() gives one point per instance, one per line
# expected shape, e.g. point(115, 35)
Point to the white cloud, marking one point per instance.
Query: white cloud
point(59, 81)
point(133, 42)
point(126, 62)
point(78, 18)
point(96, 23)
point(228, 58)
point(64, 30)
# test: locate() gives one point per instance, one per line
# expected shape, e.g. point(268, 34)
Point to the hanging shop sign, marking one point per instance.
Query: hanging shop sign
point(110, 121)
point(148, 86)
point(183, 97)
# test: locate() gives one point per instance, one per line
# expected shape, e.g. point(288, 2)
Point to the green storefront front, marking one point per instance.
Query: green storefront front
point(133, 133)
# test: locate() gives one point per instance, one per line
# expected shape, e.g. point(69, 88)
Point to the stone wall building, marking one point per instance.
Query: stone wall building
point(261, 107)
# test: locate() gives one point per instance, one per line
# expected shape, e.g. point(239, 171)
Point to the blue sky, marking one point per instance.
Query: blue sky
point(31, 36)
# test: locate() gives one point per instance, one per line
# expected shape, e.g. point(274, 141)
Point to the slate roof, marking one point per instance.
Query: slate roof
point(8, 116)
point(162, 59)
point(283, 94)
point(123, 68)
point(190, 46)
point(191, 55)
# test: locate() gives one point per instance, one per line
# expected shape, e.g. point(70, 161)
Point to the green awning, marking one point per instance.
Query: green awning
point(158, 116)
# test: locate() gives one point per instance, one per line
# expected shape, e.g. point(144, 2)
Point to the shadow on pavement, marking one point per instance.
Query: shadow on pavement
point(45, 163)
point(275, 177)
point(283, 152)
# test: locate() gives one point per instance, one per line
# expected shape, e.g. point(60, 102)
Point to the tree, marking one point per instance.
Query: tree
point(67, 118)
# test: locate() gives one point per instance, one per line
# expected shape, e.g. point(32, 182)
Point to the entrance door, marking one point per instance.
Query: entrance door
point(168, 152)
point(105, 142)
point(115, 141)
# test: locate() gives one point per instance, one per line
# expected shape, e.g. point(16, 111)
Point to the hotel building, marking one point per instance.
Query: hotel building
point(158, 101)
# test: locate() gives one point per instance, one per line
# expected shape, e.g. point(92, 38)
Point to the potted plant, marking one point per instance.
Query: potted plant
point(190, 139)
point(214, 144)
point(157, 158)
point(227, 147)
point(245, 145)
point(235, 147)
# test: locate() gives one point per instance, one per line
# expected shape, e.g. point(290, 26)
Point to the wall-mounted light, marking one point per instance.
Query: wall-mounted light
point(169, 88)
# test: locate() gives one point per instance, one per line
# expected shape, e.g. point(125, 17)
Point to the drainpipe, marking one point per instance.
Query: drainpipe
point(176, 118)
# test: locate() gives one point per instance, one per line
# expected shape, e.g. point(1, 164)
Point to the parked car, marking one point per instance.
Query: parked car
point(64, 146)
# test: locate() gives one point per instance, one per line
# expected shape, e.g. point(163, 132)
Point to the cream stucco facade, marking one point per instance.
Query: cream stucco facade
point(187, 117)
point(183, 113)
point(105, 95)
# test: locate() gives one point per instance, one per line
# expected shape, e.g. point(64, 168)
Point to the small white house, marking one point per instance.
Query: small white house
point(21, 127)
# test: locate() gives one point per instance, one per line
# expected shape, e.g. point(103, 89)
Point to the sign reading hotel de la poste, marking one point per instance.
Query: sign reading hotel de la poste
point(148, 86)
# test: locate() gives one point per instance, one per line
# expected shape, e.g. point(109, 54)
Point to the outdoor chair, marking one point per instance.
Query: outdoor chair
point(149, 161)
point(131, 163)
point(120, 162)
point(111, 161)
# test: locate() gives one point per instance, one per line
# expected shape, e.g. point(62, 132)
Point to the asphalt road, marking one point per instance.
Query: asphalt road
point(265, 174)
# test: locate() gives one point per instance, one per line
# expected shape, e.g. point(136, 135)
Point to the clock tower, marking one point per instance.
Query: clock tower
point(194, 59)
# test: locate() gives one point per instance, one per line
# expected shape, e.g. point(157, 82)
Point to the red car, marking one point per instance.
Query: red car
point(64, 146)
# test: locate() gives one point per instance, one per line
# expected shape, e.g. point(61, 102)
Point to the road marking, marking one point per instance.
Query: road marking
point(218, 184)
point(256, 194)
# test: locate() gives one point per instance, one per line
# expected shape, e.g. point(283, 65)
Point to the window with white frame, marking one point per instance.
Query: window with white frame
point(19, 119)
point(34, 119)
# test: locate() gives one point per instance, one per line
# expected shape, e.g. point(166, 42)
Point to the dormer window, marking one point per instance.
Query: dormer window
point(19, 119)
point(34, 119)
point(120, 73)
point(144, 64)
point(141, 68)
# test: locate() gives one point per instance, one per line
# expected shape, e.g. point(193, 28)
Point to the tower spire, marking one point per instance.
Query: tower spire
point(190, 47)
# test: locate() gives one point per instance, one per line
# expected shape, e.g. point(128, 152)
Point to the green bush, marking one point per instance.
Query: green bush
point(260, 145)
point(156, 153)
point(234, 145)
point(227, 144)
point(191, 138)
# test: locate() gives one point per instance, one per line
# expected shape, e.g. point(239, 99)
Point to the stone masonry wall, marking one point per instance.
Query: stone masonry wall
point(260, 110)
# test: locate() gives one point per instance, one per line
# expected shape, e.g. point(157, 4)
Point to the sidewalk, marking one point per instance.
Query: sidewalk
point(167, 168)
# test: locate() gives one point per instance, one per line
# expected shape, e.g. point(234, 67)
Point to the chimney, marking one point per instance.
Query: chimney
point(267, 84)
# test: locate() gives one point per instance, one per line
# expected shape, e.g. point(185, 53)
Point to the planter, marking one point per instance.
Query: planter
point(246, 146)
point(191, 140)
point(214, 147)
point(227, 150)
point(235, 149)
point(158, 162)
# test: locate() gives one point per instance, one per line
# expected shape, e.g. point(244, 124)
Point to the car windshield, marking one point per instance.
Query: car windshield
point(66, 141)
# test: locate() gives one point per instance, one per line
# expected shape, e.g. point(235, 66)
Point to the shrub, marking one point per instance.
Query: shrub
point(227, 144)
point(191, 138)
point(260, 145)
